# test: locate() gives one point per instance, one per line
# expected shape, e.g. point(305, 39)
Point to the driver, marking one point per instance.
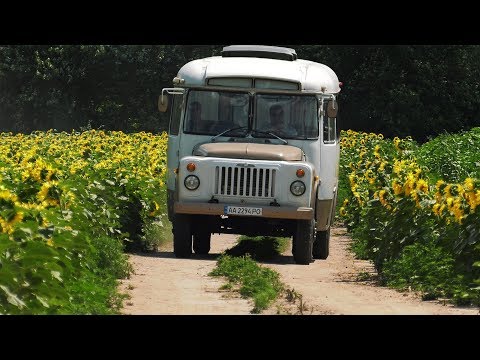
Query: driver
point(277, 121)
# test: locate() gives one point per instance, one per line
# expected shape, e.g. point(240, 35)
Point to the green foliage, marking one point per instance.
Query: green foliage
point(452, 157)
point(382, 236)
point(156, 233)
point(343, 190)
point(397, 90)
point(258, 282)
point(402, 90)
point(68, 87)
point(92, 294)
point(68, 205)
point(419, 230)
point(70, 266)
point(426, 267)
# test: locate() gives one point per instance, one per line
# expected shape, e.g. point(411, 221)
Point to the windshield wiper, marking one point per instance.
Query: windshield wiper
point(271, 134)
point(227, 131)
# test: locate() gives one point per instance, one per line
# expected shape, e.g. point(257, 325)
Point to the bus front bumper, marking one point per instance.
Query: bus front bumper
point(274, 212)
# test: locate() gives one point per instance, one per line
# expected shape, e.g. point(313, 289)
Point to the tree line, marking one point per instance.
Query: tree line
point(397, 90)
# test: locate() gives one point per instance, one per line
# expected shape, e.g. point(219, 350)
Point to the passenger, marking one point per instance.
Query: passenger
point(197, 124)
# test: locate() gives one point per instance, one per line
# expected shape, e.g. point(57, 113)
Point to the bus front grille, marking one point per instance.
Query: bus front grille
point(244, 182)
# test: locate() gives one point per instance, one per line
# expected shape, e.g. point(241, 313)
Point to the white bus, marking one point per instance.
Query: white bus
point(253, 149)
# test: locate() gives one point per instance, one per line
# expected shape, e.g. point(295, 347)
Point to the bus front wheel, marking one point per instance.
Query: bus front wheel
point(303, 241)
point(182, 235)
point(201, 242)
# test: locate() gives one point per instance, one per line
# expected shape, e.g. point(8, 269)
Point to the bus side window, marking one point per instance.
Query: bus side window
point(329, 130)
point(175, 115)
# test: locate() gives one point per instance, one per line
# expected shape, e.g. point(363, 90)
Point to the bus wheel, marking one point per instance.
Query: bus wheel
point(302, 242)
point(201, 242)
point(321, 245)
point(182, 236)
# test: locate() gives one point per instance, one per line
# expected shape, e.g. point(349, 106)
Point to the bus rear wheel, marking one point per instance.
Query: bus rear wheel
point(321, 245)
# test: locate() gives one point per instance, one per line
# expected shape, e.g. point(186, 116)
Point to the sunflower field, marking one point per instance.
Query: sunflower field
point(69, 205)
point(414, 210)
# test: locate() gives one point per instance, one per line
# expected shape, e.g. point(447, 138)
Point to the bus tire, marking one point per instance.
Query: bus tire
point(201, 242)
point(182, 236)
point(303, 241)
point(321, 245)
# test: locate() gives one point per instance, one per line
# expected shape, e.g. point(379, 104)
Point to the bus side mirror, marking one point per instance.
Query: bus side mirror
point(163, 103)
point(332, 109)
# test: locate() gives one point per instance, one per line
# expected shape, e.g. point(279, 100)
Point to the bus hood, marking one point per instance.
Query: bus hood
point(250, 151)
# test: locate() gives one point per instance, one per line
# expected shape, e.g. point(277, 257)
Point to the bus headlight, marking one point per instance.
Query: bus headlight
point(297, 188)
point(191, 182)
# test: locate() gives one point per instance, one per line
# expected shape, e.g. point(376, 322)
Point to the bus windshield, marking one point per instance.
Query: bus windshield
point(211, 112)
point(288, 116)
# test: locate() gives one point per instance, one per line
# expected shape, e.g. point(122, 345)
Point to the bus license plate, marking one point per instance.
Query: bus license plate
point(242, 210)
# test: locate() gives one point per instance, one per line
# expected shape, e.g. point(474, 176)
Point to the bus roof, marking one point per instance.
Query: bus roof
point(312, 76)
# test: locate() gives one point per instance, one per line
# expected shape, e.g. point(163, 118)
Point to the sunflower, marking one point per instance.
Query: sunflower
point(469, 184)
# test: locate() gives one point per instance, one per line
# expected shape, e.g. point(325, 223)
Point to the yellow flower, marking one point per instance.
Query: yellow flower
point(436, 209)
point(45, 197)
point(381, 196)
point(17, 218)
point(409, 184)
point(447, 190)
point(370, 176)
point(422, 185)
point(397, 188)
point(414, 196)
point(439, 184)
point(43, 193)
point(7, 227)
point(7, 195)
point(449, 202)
point(469, 184)
point(351, 177)
point(397, 167)
point(460, 189)
point(473, 200)
point(457, 211)
point(396, 142)
point(3, 225)
point(442, 208)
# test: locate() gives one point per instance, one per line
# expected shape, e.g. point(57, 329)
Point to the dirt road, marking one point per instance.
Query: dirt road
point(332, 287)
point(163, 284)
